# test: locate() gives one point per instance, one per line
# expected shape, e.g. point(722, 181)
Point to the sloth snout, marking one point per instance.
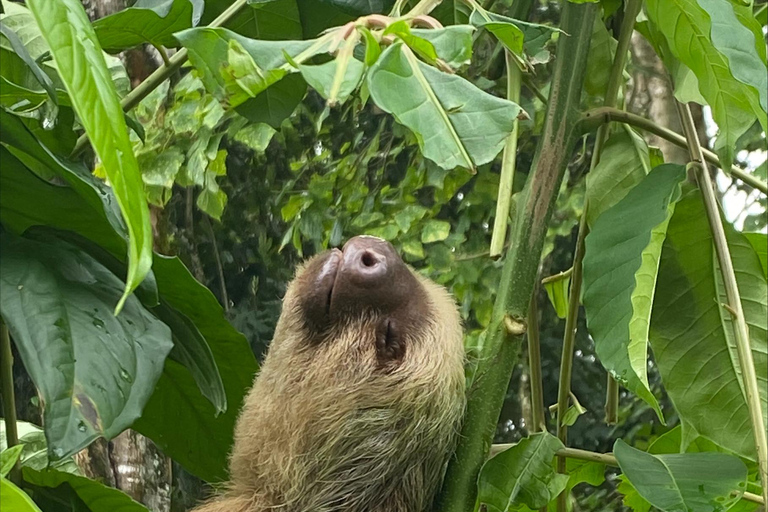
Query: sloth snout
point(367, 260)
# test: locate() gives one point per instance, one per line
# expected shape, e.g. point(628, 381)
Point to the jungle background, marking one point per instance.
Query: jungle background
point(272, 193)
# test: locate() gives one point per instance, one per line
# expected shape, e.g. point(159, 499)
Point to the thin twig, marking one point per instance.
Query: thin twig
point(741, 331)
point(219, 267)
point(534, 365)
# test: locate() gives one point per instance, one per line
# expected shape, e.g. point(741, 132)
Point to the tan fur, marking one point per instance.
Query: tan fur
point(326, 429)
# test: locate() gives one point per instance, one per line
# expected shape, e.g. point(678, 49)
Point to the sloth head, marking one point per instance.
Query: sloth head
point(359, 399)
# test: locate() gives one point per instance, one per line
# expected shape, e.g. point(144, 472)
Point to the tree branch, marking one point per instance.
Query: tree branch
point(592, 119)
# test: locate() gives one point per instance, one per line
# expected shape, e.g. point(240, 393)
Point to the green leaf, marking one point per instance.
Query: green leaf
point(147, 21)
point(21, 50)
point(455, 123)
point(689, 481)
point(256, 136)
point(517, 35)
point(372, 47)
point(691, 333)
point(630, 497)
point(505, 31)
point(87, 206)
point(83, 70)
point(452, 44)
point(759, 243)
point(621, 262)
point(557, 292)
point(623, 164)
point(602, 47)
point(736, 43)
point(435, 231)
point(34, 452)
point(362, 7)
point(522, 474)
point(204, 443)
point(8, 458)
point(320, 78)
point(15, 499)
point(275, 104)
point(687, 27)
point(57, 302)
point(96, 496)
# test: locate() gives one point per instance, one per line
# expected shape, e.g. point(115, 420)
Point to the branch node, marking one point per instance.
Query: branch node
point(515, 326)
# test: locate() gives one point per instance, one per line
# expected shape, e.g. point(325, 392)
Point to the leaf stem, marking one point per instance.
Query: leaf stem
point(741, 331)
point(159, 76)
point(509, 156)
point(631, 9)
point(593, 118)
point(486, 393)
point(9, 400)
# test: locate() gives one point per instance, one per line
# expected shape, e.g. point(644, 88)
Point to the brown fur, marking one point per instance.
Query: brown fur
point(328, 428)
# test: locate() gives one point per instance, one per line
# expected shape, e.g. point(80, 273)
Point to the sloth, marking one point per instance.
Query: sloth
point(359, 401)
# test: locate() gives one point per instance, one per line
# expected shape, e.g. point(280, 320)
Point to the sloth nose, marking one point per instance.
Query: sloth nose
point(367, 260)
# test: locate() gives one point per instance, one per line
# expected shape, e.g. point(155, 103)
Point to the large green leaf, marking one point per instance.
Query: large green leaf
point(84, 72)
point(452, 44)
point(266, 20)
point(147, 21)
point(602, 47)
point(623, 164)
point(620, 270)
point(517, 35)
point(455, 123)
point(695, 482)
point(93, 370)
point(691, 333)
point(522, 474)
point(203, 444)
point(737, 43)
point(15, 499)
point(26, 200)
point(687, 28)
point(94, 495)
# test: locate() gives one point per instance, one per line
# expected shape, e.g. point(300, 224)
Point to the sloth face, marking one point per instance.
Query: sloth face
point(366, 288)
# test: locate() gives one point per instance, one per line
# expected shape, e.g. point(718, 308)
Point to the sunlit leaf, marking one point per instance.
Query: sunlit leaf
point(84, 72)
point(16, 499)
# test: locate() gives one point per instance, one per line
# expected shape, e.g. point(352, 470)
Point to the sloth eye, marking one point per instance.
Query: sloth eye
point(390, 345)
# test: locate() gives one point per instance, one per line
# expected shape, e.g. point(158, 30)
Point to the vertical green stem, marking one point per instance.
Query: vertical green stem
point(6, 387)
point(514, 79)
point(611, 401)
point(534, 367)
point(741, 331)
point(631, 9)
point(486, 393)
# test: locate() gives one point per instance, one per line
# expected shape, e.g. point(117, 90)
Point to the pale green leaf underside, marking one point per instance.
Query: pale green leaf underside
point(695, 482)
point(688, 331)
point(620, 267)
point(455, 123)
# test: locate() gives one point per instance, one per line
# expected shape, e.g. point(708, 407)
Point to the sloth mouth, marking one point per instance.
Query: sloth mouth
point(326, 279)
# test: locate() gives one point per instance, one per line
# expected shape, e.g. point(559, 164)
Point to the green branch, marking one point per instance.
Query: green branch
point(592, 119)
point(162, 73)
point(741, 331)
point(534, 367)
point(486, 393)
